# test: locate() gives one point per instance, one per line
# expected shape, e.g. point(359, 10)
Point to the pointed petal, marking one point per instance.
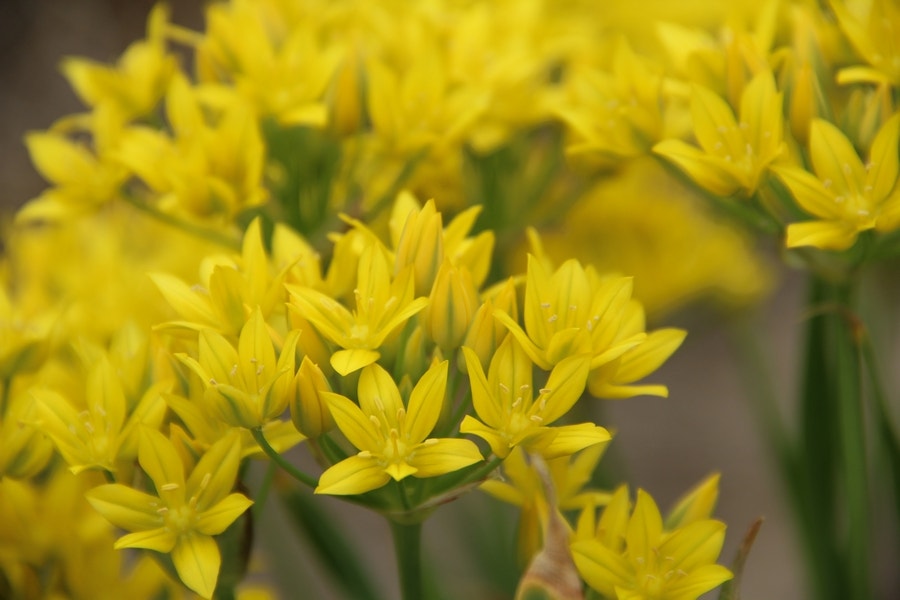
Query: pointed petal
point(217, 519)
point(486, 406)
point(601, 568)
point(834, 158)
point(352, 360)
point(256, 355)
point(644, 528)
point(554, 442)
point(809, 192)
point(197, 560)
point(189, 304)
point(646, 358)
point(694, 545)
point(160, 539)
point(499, 444)
point(535, 353)
point(160, 461)
point(828, 235)
point(354, 475)
point(564, 387)
point(426, 401)
point(125, 507)
point(698, 582)
point(378, 394)
point(710, 172)
point(439, 456)
point(883, 160)
point(214, 476)
point(353, 423)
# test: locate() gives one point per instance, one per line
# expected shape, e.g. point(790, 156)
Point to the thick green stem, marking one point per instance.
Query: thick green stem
point(280, 460)
point(889, 438)
point(814, 484)
point(408, 549)
point(853, 463)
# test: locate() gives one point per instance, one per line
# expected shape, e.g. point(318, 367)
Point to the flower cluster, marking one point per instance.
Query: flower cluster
point(413, 240)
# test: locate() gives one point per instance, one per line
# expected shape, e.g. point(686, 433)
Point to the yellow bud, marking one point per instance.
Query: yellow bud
point(411, 358)
point(486, 332)
point(309, 411)
point(345, 100)
point(803, 106)
point(421, 245)
point(452, 307)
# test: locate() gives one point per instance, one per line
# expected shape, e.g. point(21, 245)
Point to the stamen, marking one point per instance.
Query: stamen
point(169, 487)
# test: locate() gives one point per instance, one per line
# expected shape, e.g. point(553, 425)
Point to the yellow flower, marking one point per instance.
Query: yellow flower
point(232, 288)
point(511, 416)
point(137, 83)
point(393, 438)
point(246, 386)
point(633, 557)
point(184, 515)
point(733, 154)
point(847, 196)
point(103, 433)
point(616, 114)
point(874, 35)
point(573, 311)
point(211, 165)
point(25, 450)
point(383, 304)
point(254, 49)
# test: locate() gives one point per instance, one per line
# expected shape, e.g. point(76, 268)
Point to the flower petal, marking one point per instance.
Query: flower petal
point(125, 507)
point(352, 422)
point(426, 401)
point(354, 475)
point(196, 558)
point(439, 456)
point(217, 519)
point(161, 539)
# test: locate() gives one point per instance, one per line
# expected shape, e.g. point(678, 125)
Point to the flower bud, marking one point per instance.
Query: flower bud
point(452, 307)
point(309, 411)
point(421, 245)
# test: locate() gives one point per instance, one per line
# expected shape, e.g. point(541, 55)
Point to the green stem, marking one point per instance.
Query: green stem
point(854, 467)
point(408, 549)
point(815, 486)
point(200, 232)
point(883, 415)
point(264, 487)
point(281, 461)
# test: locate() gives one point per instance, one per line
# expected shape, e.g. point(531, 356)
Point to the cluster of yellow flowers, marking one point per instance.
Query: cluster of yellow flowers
point(233, 259)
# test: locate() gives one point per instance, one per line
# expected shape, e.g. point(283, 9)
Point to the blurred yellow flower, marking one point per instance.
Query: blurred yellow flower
point(847, 196)
point(186, 512)
point(734, 153)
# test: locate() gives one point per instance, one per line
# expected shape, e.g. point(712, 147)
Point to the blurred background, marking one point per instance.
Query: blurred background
point(664, 445)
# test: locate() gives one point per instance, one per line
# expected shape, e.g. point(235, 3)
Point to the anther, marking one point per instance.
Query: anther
point(169, 487)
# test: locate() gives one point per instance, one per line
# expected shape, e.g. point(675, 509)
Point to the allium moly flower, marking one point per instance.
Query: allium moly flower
point(847, 196)
point(246, 386)
point(873, 31)
point(574, 311)
point(185, 512)
point(383, 303)
point(104, 432)
point(631, 556)
point(393, 438)
point(733, 153)
point(510, 415)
